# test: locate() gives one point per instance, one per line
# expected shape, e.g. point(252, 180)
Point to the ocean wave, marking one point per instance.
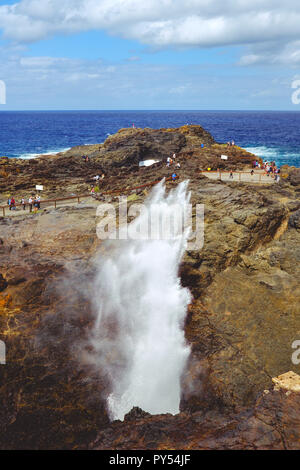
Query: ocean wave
point(29, 156)
point(281, 156)
point(264, 152)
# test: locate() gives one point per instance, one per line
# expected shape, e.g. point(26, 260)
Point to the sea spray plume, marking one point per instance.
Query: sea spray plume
point(138, 335)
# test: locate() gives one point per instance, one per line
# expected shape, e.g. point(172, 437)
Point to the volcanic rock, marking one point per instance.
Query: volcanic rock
point(241, 324)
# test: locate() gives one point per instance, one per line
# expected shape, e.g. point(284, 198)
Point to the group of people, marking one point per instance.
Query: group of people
point(269, 167)
point(95, 189)
point(172, 161)
point(98, 177)
point(34, 203)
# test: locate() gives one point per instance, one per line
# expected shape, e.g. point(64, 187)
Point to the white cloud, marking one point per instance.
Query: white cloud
point(179, 89)
point(269, 30)
point(41, 62)
point(274, 53)
point(159, 23)
point(64, 83)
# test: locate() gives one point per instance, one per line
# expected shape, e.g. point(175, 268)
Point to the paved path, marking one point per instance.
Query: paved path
point(242, 177)
point(20, 212)
point(259, 177)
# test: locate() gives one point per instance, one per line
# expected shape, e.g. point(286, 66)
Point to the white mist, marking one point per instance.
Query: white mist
point(141, 306)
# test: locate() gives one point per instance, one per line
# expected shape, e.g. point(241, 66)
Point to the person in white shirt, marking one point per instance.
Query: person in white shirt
point(30, 201)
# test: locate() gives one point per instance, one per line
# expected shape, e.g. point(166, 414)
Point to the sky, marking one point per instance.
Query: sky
point(159, 54)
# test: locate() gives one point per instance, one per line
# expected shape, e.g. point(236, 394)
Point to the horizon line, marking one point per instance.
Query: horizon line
point(149, 110)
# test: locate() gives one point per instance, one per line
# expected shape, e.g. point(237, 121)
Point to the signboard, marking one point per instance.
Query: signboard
point(39, 187)
point(224, 157)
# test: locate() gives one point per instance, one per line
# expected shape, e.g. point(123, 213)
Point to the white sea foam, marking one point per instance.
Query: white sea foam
point(29, 156)
point(279, 155)
point(266, 153)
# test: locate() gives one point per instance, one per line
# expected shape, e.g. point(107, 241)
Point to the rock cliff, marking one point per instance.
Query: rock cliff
point(242, 322)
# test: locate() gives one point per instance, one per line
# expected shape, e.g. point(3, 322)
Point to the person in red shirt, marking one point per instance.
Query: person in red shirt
point(12, 205)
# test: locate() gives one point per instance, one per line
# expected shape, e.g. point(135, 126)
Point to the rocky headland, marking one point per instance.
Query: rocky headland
point(242, 322)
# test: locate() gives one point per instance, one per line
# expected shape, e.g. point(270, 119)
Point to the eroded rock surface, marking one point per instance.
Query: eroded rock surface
point(241, 324)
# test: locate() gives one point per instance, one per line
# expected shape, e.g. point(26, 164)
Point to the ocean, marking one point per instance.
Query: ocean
point(272, 135)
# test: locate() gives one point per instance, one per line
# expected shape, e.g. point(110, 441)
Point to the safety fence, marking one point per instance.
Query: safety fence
point(81, 196)
point(244, 176)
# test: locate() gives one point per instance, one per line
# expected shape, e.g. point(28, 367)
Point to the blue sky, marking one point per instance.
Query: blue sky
point(166, 54)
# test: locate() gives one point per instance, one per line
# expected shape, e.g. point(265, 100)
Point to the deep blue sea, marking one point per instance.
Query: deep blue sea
point(269, 134)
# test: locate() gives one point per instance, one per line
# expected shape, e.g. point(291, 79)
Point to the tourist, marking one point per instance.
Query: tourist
point(174, 156)
point(38, 200)
point(12, 205)
point(231, 174)
point(23, 202)
point(252, 172)
point(177, 165)
point(174, 176)
point(30, 202)
point(35, 205)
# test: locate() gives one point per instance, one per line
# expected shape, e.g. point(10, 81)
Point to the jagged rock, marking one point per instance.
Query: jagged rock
point(136, 413)
point(288, 381)
point(118, 157)
point(294, 220)
point(295, 177)
point(241, 324)
point(273, 423)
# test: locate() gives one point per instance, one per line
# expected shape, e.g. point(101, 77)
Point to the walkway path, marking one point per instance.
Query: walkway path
point(241, 176)
point(259, 177)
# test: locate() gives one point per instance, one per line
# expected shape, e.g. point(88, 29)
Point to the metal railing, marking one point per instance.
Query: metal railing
point(219, 173)
point(81, 196)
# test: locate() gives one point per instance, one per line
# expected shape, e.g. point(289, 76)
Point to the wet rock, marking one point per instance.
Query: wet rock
point(273, 423)
point(136, 413)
